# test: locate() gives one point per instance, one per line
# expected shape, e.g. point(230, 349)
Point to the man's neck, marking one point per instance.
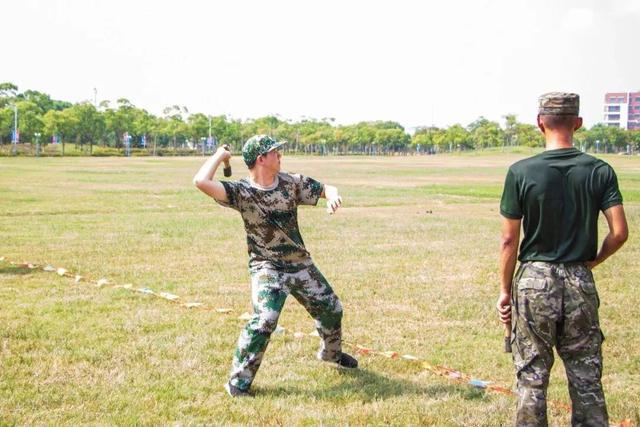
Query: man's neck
point(558, 140)
point(262, 177)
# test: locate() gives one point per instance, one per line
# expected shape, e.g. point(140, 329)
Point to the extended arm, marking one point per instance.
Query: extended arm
point(508, 257)
point(618, 234)
point(334, 200)
point(204, 178)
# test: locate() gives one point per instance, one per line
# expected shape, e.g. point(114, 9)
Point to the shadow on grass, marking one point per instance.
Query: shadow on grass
point(366, 386)
point(16, 270)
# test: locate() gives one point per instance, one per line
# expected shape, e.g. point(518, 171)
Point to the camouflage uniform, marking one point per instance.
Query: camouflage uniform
point(279, 264)
point(269, 289)
point(556, 304)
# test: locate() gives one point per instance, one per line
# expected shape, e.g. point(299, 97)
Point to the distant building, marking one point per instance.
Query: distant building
point(622, 109)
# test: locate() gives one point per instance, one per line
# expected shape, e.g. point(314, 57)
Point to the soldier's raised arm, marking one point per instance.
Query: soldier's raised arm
point(203, 179)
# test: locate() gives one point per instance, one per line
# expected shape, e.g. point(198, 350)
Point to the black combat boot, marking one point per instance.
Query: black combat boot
point(347, 361)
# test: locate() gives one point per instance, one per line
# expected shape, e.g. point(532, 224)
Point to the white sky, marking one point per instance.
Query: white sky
point(415, 62)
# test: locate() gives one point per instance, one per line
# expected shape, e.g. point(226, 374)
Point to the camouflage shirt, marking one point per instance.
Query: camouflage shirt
point(270, 216)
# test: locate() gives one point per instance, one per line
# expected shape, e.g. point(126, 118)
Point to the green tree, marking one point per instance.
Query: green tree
point(457, 138)
point(43, 101)
point(528, 135)
point(634, 139)
point(223, 130)
point(605, 138)
point(119, 121)
point(365, 136)
point(485, 133)
point(238, 133)
point(425, 139)
point(29, 119)
point(144, 124)
point(89, 124)
point(616, 138)
point(510, 123)
point(62, 123)
point(268, 125)
point(173, 124)
point(313, 135)
point(580, 139)
point(392, 139)
point(6, 123)
point(198, 127)
point(8, 92)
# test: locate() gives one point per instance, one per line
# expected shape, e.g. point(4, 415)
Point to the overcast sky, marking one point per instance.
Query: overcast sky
point(414, 62)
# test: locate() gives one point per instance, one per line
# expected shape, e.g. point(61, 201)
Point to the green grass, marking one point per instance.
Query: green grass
point(412, 254)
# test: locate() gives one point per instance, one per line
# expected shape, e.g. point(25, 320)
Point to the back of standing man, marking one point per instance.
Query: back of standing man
point(279, 263)
point(556, 197)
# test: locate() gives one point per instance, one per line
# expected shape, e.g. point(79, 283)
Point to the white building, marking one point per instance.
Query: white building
point(622, 109)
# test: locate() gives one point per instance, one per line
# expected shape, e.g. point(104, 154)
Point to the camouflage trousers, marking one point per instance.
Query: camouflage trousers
point(269, 290)
point(557, 304)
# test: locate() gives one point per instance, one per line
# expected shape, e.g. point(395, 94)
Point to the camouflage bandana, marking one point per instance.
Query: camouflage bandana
point(258, 145)
point(559, 104)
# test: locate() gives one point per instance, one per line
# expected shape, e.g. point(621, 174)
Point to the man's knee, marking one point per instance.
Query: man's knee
point(337, 309)
point(263, 323)
point(531, 372)
point(584, 366)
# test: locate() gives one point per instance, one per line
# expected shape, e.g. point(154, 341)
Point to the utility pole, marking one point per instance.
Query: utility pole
point(37, 136)
point(15, 130)
point(95, 98)
point(209, 141)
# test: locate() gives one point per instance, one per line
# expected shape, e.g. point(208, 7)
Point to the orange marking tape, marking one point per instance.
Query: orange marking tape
point(462, 378)
point(443, 371)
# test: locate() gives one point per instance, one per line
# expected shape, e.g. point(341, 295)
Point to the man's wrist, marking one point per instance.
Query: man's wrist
point(217, 159)
point(505, 289)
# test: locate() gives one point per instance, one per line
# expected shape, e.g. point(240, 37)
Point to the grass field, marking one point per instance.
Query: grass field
point(413, 255)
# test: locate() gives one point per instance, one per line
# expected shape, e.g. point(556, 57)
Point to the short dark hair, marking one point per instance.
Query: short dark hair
point(254, 163)
point(556, 121)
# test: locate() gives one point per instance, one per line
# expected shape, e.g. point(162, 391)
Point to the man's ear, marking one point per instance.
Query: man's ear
point(540, 124)
point(578, 124)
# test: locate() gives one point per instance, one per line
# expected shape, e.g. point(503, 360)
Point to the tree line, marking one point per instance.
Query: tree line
point(108, 128)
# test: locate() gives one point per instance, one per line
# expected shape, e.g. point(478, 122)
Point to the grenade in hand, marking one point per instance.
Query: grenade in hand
point(227, 165)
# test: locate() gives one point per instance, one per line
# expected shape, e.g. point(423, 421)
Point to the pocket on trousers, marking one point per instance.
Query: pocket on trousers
point(524, 352)
point(588, 287)
point(532, 284)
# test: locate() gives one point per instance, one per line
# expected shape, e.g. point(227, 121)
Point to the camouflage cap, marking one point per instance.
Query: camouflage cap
point(258, 145)
point(559, 104)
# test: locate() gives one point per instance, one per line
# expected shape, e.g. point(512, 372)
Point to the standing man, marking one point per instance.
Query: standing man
point(557, 196)
point(279, 263)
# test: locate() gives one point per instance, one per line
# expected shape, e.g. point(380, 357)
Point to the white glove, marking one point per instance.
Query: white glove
point(333, 205)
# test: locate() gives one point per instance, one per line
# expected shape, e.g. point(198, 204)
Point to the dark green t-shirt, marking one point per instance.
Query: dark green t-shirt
point(559, 194)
